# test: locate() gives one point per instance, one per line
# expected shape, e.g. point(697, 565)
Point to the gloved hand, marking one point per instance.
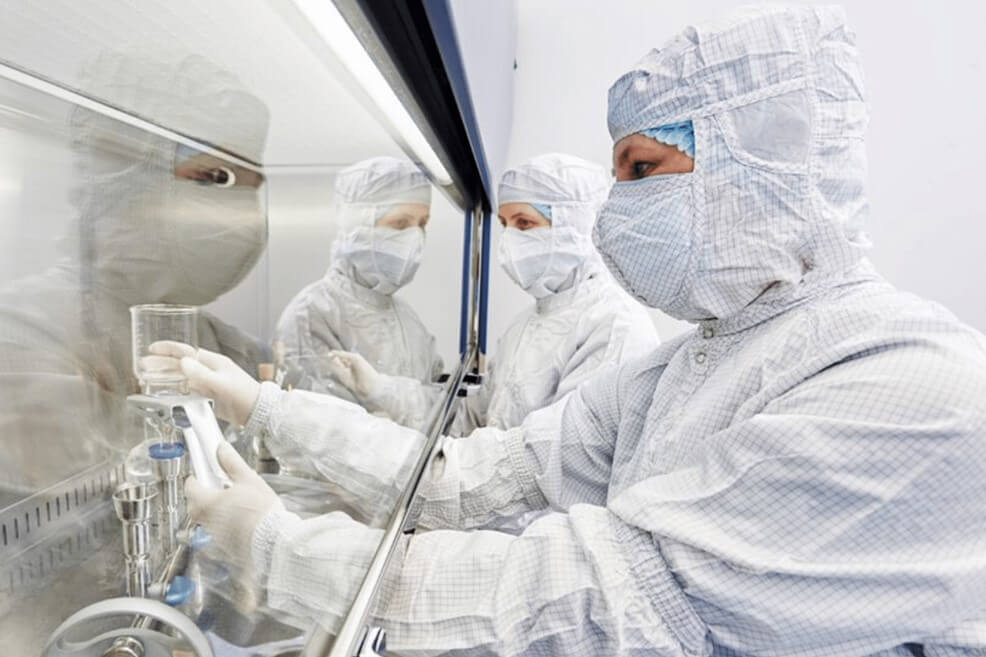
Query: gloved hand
point(215, 376)
point(353, 371)
point(231, 515)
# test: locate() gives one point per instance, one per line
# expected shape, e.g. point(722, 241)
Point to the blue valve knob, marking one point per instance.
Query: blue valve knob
point(179, 591)
point(199, 538)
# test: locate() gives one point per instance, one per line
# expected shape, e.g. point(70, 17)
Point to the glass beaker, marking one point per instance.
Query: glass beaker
point(156, 322)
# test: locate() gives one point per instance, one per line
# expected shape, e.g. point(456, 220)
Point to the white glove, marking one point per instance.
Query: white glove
point(231, 515)
point(212, 375)
point(353, 371)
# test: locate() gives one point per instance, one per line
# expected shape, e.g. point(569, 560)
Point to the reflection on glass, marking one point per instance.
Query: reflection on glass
point(157, 322)
point(150, 221)
point(155, 221)
point(339, 332)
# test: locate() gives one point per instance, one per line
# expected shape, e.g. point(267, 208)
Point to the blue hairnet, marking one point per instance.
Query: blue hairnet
point(679, 135)
point(543, 209)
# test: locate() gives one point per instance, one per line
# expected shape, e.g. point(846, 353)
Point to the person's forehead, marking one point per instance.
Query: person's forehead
point(515, 207)
point(410, 208)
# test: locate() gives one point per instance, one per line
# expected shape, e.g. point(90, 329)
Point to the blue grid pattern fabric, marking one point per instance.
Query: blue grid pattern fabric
point(806, 481)
point(778, 193)
point(804, 475)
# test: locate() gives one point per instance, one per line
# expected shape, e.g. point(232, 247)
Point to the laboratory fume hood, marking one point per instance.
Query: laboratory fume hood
point(197, 154)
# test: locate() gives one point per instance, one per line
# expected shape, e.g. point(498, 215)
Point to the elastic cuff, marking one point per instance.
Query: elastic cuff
point(262, 409)
point(516, 452)
point(273, 526)
point(652, 576)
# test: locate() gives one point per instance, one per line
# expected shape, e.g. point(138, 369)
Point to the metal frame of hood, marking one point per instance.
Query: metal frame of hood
point(414, 45)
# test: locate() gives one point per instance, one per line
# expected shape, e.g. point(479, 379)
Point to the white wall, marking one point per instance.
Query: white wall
point(487, 36)
point(926, 81)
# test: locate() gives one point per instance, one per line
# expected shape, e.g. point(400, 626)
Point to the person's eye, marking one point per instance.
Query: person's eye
point(641, 169)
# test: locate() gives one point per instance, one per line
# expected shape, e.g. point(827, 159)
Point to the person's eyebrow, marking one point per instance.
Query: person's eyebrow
point(623, 153)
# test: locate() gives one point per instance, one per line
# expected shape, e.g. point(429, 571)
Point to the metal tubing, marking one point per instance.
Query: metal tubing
point(484, 291)
point(466, 289)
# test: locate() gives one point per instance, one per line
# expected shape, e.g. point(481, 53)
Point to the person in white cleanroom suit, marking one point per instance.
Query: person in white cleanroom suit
point(381, 209)
point(802, 474)
point(146, 229)
point(580, 323)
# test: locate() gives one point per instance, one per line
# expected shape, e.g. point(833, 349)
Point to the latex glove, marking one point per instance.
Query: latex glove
point(212, 375)
point(232, 514)
point(353, 371)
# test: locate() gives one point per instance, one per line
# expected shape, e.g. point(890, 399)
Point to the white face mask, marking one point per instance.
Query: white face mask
point(645, 234)
point(172, 241)
point(543, 261)
point(383, 259)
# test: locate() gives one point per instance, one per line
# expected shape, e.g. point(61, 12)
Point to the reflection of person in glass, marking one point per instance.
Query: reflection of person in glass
point(582, 322)
point(149, 229)
point(803, 473)
point(381, 210)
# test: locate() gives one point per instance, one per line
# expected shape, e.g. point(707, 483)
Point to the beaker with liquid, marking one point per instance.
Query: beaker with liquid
point(157, 322)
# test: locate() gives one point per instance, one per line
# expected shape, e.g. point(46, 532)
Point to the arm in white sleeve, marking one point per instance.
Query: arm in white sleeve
point(493, 474)
point(575, 584)
point(408, 402)
point(368, 457)
point(608, 344)
point(404, 400)
point(561, 455)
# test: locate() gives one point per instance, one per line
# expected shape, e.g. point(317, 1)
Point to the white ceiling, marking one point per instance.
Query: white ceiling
point(315, 120)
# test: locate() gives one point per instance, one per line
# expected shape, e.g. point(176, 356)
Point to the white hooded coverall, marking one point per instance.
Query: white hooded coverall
point(339, 312)
point(141, 234)
point(803, 474)
point(567, 337)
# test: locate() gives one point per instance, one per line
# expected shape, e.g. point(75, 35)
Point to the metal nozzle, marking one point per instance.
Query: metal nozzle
point(133, 504)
